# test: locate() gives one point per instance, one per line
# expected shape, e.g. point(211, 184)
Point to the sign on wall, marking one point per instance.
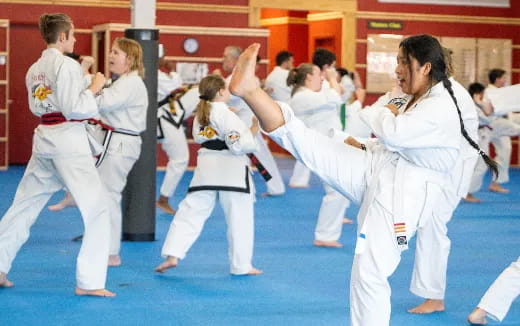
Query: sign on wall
point(476, 3)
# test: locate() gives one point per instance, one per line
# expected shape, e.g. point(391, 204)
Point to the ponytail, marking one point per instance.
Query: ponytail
point(208, 89)
point(297, 76)
point(489, 161)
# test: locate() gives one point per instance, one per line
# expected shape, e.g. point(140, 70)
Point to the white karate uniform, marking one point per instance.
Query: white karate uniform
point(433, 244)
point(222, 174)
point(275, 186)
point(123, 106)
point(277, 81)
point(60, 157)
point(173, 141)
point(354, 126)
point(502, 144)
point(395, 195)
point(504, 100)
point(498, 298)
point(319, 111)
point(348, 88)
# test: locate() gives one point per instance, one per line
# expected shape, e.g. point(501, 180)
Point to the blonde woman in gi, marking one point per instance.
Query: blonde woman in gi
point(123, 107)
point(61, 157)
point(222, 173)
point(317, 108)
point(395, 194)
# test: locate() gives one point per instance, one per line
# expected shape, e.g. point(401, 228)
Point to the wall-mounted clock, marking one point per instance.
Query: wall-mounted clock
point(191, 45)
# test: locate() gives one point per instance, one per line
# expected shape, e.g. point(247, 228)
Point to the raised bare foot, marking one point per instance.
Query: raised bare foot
point(170, 262)
point(477, 317)
point(114, 260)
point(243, 82)
point(327, 244)
point(95, 293)
point(347, 221)
point(428, 306)
point(68, 201)
point(4, 282)
point(163, 204)
point(496, 187)
point(471, 199)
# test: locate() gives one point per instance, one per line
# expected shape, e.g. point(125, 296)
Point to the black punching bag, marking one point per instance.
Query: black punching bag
point(139, 194)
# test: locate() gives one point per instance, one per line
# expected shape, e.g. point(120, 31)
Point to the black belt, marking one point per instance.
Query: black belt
point(220, 145)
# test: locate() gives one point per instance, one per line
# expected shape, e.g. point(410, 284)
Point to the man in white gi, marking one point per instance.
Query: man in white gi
point(503, 147)
point(276, 81)
point(275, 186)
point(61, 157)
point(170, 131)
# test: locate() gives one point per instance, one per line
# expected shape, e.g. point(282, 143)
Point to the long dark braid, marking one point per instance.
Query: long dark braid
point(489, 161)
point(425, 48)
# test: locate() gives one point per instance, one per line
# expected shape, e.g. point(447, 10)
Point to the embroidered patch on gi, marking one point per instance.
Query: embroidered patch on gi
point(400, 227)
point(232, 137)
point(207, 132)
point(401, 240)
point(398, 101)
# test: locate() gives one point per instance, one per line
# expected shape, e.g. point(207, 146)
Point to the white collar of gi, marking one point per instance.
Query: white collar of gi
point(131, 73)
point(52, 51)
point(219, 105)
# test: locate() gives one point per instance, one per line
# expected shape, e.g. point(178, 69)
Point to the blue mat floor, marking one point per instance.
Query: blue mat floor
point(301, 284)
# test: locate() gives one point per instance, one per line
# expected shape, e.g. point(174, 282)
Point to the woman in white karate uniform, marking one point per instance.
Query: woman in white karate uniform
point(61, 156)
point(123, 107)
point(318, 109)
point(222, 173)
point(396, 195)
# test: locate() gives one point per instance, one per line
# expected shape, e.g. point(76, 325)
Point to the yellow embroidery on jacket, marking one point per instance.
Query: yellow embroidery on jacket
point(41, 92)
point(207, 132)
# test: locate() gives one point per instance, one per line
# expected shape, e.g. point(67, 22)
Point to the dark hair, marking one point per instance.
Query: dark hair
point(494, 74)
point(323, 57)
point(297, 76)
point(475, 88)
point(283, 56)
point(425, 48)
point(344, 72)
point(258, 59)
point(51, 25)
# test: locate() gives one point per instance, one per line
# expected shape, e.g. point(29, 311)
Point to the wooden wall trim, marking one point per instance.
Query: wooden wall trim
point(282, 21)
point(192, 30)
point(202, 59)
point(437, 18)
point(325, 16)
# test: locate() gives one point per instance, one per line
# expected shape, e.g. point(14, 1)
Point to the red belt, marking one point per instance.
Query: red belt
point(55, 118)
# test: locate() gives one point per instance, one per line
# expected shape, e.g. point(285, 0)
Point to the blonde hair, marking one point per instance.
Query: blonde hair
point(297, 76)
point(51, 25)
point(134, 53)
point(208, 89)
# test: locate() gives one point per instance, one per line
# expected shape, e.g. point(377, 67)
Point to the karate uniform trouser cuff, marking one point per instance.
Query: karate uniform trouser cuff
point(495, 313)
point(427, 294)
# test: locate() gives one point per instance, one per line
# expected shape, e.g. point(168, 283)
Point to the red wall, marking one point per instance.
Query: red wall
point(26, 46)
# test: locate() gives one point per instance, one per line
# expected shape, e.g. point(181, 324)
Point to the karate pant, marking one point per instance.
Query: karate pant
point(113, 171)
point(193, 212)
point(43, 177)
point(275, 186)
point(484, 135)
point(300, 176)
point(503, 129)
point(330, 217)
point(176, 147)
point(498, 298)
point(432, 251)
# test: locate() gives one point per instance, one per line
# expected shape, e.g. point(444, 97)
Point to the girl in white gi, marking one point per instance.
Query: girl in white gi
point(61, 157)
point(395, 194)
point(498, 298)
point(171, 135)
point(318, 110)
point(123, 107)
point(222, 173)
point(433, 244)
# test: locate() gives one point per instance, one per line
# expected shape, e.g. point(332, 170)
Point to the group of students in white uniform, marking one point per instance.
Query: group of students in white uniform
point(426, 130)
